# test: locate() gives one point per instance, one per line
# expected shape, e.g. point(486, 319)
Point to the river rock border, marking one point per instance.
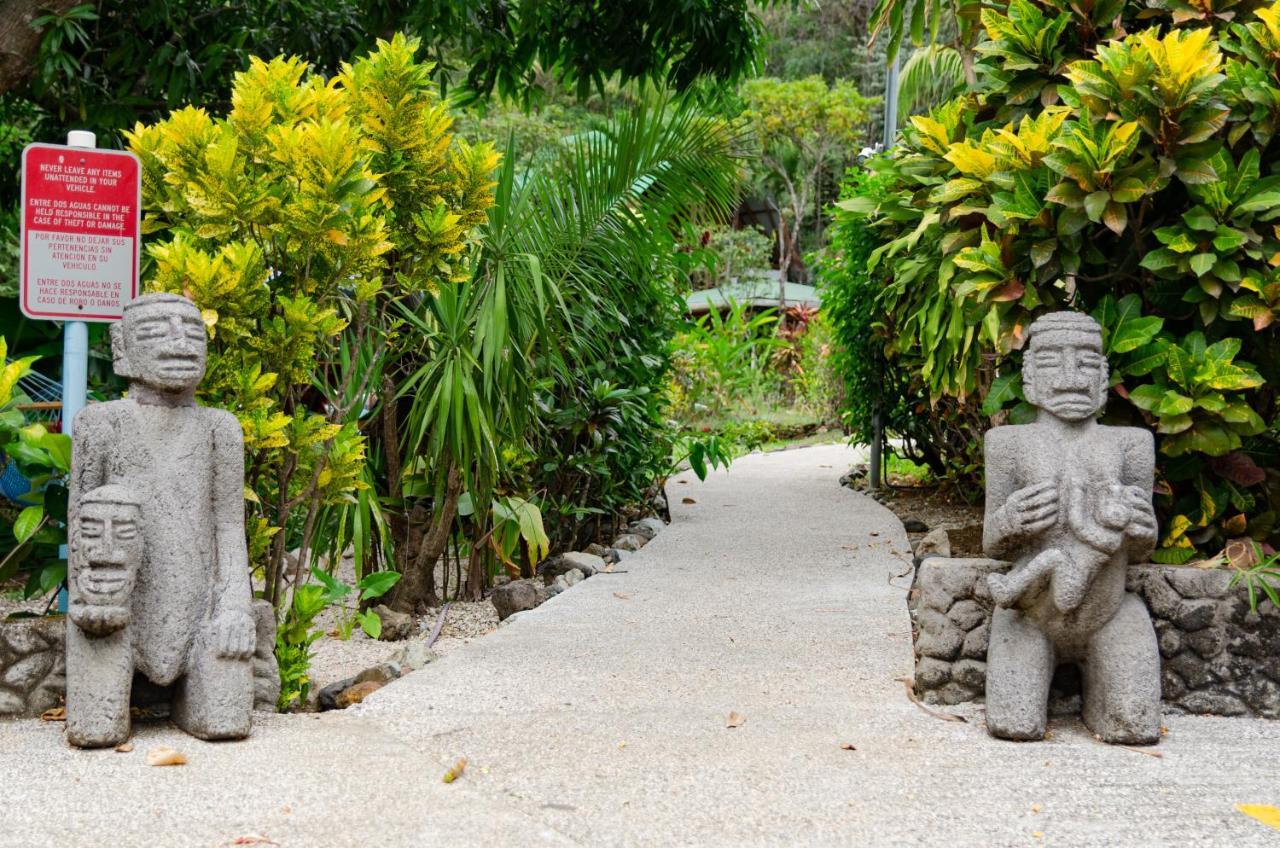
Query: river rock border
point(32, 665)
point(1217, 657)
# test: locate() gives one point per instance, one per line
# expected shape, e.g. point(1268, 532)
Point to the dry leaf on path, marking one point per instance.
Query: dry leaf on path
point(735, 720)
point(55, 714)
point(124, 747)
point(456, 772)
point(848, 746)
point(911, 694)
point(624, 596)
point(1265, 813)
point(1035, 808)
point(165, 756)
point(253, 839)
point(687, 500)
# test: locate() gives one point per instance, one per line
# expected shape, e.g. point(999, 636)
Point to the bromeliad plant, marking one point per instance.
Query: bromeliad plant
point(1110, 158)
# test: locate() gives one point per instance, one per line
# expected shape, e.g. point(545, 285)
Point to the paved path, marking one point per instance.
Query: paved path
point(599, 719)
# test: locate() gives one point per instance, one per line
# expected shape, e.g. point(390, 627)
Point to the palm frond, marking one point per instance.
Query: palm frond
point(929, 78)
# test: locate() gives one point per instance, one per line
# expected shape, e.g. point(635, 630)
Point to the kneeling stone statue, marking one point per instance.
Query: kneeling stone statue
point(158, 576)
point(1069, 502)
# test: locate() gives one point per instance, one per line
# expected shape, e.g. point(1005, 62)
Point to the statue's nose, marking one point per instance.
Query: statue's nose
point(1071, 379)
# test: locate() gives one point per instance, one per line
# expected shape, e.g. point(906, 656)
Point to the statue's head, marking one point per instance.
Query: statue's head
point(160, 343)
point(1063, 370)
point(106, 545)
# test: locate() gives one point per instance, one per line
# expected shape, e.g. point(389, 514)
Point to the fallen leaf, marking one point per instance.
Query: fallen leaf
point(1265, 813)
point(687, 500)
point(165, 756)
point(1035, 808)
point(55, 714)
point(875, 533)
point(1037, 834)
point(456, 772)
point(623, 596)
point(847, 746)
point(735, 720)
point(124, 748)
point(911, 695)
point(253, 839)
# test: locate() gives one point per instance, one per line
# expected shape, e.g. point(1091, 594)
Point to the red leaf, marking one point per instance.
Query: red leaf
point(1239, 468)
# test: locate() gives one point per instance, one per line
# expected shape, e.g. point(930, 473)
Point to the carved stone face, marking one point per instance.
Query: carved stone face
point(108, 549)
point(165, 346)
point(1065, 374)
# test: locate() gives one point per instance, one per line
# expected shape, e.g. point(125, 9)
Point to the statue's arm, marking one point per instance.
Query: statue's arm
point(228, 507)
point(999, 534)
point(1139, 473)
point(235, 631)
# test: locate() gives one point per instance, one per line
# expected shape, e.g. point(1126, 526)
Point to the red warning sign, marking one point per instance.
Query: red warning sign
point(80, 232)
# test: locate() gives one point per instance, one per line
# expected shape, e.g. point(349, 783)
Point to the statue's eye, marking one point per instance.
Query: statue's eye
point(1048, 360)
point(90, 528)
point(1091, 360)
point(126, 530)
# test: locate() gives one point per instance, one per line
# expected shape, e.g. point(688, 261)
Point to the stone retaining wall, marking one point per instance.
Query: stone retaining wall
point(32, 665)
point(1218, 657)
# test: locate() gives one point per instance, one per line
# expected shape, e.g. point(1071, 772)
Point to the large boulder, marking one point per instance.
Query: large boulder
point(517, 596)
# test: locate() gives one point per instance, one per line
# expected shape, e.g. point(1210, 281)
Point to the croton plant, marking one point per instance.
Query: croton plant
point(1117, 158)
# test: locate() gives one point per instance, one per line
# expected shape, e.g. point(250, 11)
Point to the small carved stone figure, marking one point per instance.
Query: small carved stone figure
point(158, 481)
point(1069, 502)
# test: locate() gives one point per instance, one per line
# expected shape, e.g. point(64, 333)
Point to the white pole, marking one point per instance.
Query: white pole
point(75, 356)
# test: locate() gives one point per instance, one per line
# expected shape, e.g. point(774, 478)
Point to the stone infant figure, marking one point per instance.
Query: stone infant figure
point(171, 473)
point(1094, 518)
point(1069, 501)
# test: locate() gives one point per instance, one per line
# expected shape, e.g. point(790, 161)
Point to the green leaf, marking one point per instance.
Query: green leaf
point(377, 584)
point(1160, 259)
point(1198, 218)
point(27, 522)
point(1202, 263)
point(1174, 404)
point(1004, 388)
point(370, 623)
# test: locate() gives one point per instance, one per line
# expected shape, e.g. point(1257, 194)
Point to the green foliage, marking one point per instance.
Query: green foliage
point(297, 224)
point(724, 357)
point(367, 588)
point(36, 524)
point(805, 128)
point(603, 221)
point(1261, 576)
point(1109, 159)
point(727, 254)
point(294, 637)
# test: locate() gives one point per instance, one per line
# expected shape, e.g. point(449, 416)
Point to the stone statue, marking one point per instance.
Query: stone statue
point(158, 566)
point(1069, 502)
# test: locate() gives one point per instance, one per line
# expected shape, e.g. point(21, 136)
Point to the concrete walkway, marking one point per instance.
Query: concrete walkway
point(600, 719)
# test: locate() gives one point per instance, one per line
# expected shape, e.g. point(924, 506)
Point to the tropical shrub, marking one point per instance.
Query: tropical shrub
point(33, 465)
point(605, 220)
point(1112, 158)
point(725, 358)
point(298, 223)
point(940, 437)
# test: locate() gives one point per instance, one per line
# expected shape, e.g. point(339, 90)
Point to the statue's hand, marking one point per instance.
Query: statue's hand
point(1033, 509)
point(234, 635)
point(1142, 522)
point(98, 619)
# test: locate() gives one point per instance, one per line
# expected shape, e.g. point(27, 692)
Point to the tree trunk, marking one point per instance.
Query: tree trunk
point(416, 590)
point(19, 43)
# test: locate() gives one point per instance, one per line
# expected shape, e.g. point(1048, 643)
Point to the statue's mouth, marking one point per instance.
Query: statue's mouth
point(178, 364)
point(105, 578)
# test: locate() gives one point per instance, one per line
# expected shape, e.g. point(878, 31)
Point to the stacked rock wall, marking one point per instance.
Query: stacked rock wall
point(1217, 656)
point(32, 665)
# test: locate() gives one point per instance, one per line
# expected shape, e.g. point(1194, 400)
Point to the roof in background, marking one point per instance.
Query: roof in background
point(757, 291)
